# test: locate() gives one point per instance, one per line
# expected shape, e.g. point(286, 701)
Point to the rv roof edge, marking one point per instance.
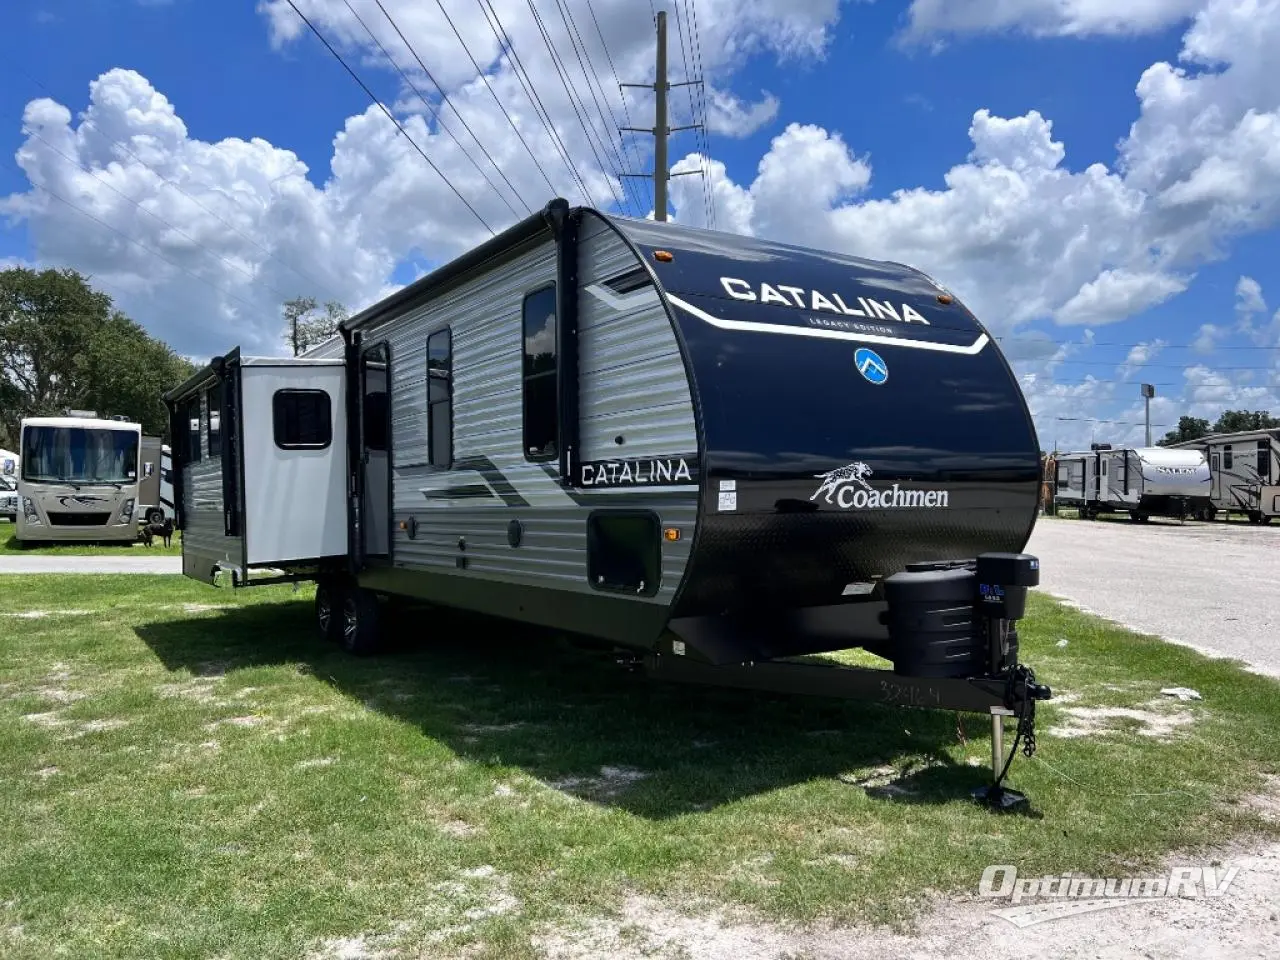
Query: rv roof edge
point(456, 269)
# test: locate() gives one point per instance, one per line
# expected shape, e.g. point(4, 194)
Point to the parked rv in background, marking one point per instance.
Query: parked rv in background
point(8, 485)
point(78, 479)
point(1142, 481)
point(1246, 471)
point(155, 491)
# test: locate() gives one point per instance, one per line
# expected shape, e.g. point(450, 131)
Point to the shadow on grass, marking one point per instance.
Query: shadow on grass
point(506, 695)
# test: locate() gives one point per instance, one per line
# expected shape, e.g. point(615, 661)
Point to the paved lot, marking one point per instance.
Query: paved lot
point(62, 563)
point(1212, 586)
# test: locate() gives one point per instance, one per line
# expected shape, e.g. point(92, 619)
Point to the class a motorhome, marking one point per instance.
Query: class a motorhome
point(1245, 469)
point(581, 424)
point(1141, 481)
point(78, 478)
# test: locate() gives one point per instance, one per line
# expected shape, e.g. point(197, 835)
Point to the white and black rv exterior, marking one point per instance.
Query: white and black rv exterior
point(581, 424)
point(1245, 470)
point(1141, 481)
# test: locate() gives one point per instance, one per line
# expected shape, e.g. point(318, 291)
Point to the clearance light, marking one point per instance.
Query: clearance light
point(663, 256)
point(671, 533)
point(944, 298)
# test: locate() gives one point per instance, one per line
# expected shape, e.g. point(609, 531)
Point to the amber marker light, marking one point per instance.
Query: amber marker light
point(944, 298)
point(671, 533)
point(663, 256)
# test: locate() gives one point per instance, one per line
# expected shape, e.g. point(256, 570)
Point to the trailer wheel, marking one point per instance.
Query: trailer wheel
point(1255, 516)
point(155, 515)
point(360, 626)
point(328, 609)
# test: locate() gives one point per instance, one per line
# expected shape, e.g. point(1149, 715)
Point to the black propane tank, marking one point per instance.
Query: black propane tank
point(934, 629)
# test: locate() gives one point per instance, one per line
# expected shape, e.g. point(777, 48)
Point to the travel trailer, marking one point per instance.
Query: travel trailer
point(155, 493)
point(580, 424)
point(78, 479)
point(1141, 481)
point(1245, 470)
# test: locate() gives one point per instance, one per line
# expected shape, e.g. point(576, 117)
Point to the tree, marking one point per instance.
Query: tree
point(1237, 421)
point(305, 328)
point(1189, 428)
point(63, 345)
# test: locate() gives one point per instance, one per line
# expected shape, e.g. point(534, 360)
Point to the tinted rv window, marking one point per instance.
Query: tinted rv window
point(540, 404)
point(213, 400)
point(303, 419)
point(1264, 460)
point(440, 398)
point(1226, 457)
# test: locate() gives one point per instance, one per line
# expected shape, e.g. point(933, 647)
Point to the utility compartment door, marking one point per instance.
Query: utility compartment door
point(294, 428)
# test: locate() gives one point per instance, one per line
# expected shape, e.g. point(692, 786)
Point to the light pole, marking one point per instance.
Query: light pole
point(1148, 391)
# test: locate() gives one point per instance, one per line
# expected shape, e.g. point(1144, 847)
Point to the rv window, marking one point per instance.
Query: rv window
point(440, 398)
point(213, 399)
point(303, 419)
point(1264, 460)
point(375, 420)
point(1104, 468)
point(192, 418)
point(541, 410)
point(1064, 473)
point(1226, 457)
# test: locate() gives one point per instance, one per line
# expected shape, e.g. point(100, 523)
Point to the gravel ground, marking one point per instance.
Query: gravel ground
point(1212, 586)
point(64, 563)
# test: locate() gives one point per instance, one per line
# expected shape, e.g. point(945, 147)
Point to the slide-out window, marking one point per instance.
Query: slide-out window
point(541, 407)
point(302, 419)
point(1226, 457)
point(440, 398)
point(1264, 460)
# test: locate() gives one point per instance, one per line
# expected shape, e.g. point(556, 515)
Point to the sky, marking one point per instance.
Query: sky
point(1098, 181)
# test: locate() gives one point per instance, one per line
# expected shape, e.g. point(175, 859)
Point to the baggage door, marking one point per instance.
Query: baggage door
point(375, 456)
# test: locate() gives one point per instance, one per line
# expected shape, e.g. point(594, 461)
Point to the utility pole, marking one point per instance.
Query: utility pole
point(1148, 391)
point(660, 131)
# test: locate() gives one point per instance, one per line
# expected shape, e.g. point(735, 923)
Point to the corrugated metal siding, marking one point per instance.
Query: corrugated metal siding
point(202, 533)
point(632, 383)
point(633, 380)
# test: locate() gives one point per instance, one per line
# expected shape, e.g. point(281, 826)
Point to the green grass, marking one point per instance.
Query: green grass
point(9, 544)
point(188, 781)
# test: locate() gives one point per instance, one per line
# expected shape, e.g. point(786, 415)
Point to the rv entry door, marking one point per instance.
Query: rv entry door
point(375, 455)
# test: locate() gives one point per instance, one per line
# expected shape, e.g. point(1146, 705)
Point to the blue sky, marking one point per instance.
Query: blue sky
point(876, 97)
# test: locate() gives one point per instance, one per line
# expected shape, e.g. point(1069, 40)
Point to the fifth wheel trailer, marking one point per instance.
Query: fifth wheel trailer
point(1142, 481)
point(581, 424)
point(1245, 468)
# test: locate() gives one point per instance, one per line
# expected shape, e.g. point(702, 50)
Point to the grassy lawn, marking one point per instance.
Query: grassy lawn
point(189, 773)
point(9, 544)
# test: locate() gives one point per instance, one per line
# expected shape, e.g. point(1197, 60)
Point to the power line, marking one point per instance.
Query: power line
point(693, 110)
point(1105, 343)
point(539, 109)
point(564, 80)
point(439, 119)
point(706, 124)
point(86, 122)
point(626, 111)
point(392, 118)
point(494, 94)
point(579, 49)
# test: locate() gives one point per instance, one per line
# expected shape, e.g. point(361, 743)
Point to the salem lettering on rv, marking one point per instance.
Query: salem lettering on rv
point(648, 471)
point(831, 302)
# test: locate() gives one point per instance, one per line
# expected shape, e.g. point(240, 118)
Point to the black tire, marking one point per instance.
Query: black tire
point(1255, 517)
point(361, 628)
point(328, 610)
point(155, 515)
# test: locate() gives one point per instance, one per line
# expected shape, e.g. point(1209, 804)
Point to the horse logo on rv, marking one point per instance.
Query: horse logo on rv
point(833, 480)
point(847, 488)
